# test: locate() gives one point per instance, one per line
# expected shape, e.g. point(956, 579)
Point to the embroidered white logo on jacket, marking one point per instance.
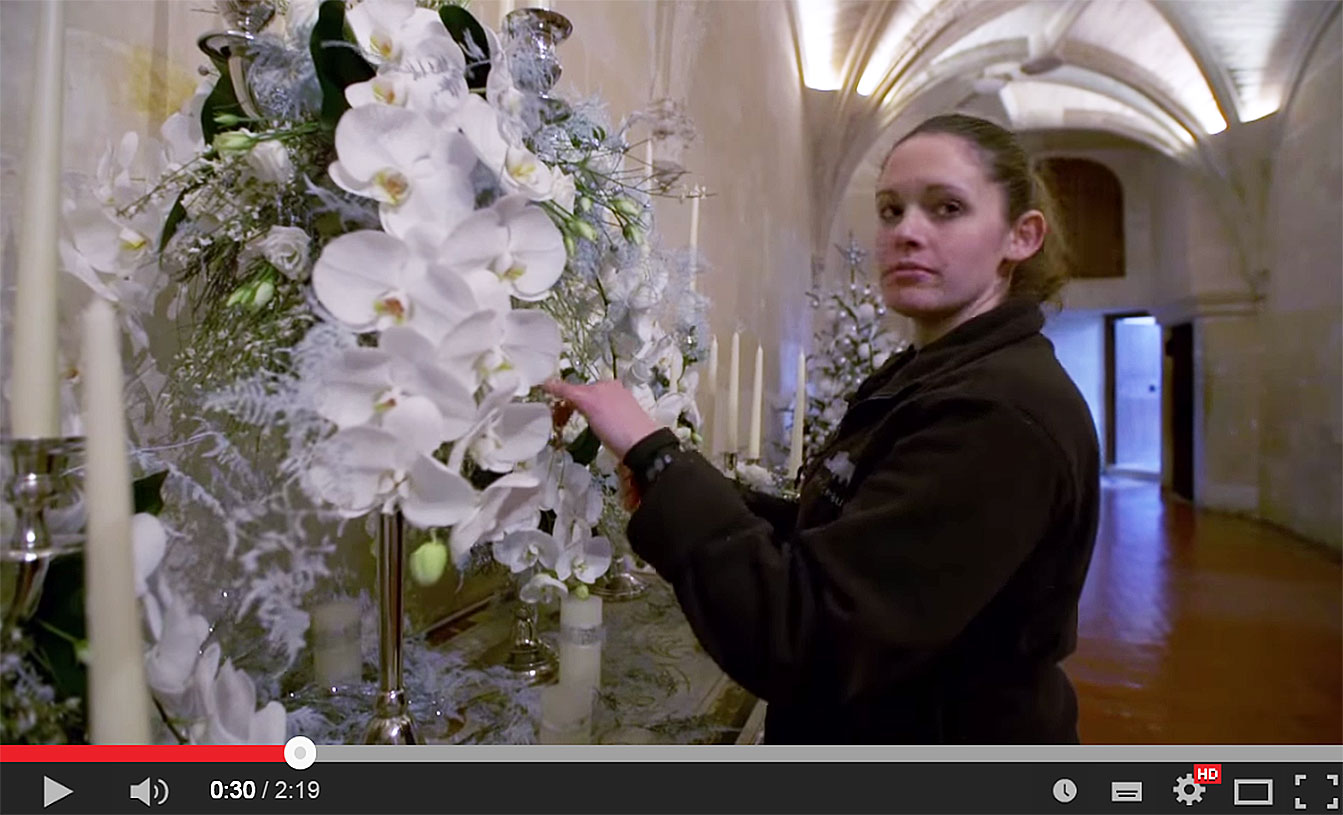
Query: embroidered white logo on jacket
point(840, 467)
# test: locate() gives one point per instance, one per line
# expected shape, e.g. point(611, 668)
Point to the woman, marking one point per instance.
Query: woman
point(924, 588)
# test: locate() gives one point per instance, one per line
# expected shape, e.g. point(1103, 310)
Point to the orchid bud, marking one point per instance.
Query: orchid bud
point(570, 245)
point(584, 204)
point(228, 119)
point(582, 592)
point(428, 562)
point(633, 234)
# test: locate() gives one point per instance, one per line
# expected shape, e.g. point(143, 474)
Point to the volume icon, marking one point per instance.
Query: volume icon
point(150, 791)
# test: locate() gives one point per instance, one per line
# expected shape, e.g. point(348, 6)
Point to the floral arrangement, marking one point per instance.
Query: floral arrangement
point(851, 340)
point(345, 274)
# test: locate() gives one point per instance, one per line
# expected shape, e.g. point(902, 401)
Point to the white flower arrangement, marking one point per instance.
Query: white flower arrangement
point(379, 271)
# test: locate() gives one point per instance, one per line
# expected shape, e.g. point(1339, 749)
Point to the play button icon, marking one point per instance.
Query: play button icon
point(53, 791)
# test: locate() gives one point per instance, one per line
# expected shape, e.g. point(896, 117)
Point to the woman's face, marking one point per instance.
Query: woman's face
point(944, 245)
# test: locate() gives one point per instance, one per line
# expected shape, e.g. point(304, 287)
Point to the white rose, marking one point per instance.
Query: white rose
point(269, 160)
point(286, 248)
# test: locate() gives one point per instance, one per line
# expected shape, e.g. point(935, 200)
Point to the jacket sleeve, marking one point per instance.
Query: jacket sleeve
point(930, 535)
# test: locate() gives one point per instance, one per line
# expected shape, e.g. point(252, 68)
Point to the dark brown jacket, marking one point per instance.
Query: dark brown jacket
point(925, 587)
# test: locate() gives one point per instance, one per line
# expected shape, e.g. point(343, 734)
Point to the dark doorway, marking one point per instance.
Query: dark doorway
point(1180, 351)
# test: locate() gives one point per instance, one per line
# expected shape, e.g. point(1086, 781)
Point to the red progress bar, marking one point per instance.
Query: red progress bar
point(142, 753)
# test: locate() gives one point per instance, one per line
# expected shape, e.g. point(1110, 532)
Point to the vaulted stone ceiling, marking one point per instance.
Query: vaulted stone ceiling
point(1171, 74)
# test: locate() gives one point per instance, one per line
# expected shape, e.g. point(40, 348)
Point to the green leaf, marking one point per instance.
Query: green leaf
point(469, 35)
point(149, 492)
point(584, 448)
point(221, 100)
point(58, 624)
point(338, 64)
point(175, 216)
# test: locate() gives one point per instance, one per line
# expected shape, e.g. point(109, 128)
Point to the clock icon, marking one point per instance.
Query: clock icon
point(1065, 790)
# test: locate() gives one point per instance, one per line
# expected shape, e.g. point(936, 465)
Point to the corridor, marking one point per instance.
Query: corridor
point(1202, 628)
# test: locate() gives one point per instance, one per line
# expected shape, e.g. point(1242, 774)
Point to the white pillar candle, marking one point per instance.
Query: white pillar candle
point(757, 403)
point(118, 691)
point(799, 418)
point(566, 714)
point(580, 641)
point(337, 656)
point(34, 391)
point(733, 392)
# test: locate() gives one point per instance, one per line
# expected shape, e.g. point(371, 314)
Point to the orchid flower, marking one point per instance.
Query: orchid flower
point(525, 548)
point(520, 349)
point(360, 469)
point(507, 505)
point(540, 588)
point(586, 557)
point(170, 664)
point(505, 432)
point(372, 280)
point(401, 375)
point(396, 31)
point(228, 699)
point(419, 173)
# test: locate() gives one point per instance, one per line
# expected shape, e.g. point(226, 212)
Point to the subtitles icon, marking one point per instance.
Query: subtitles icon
point(151, 791)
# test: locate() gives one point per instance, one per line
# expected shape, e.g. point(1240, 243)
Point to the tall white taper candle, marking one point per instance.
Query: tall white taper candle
point(35, 405)
point(709, 387)
point(799, 418)
point(734, 393)
point(118, 692)
point(757, 403)
point(694, 240)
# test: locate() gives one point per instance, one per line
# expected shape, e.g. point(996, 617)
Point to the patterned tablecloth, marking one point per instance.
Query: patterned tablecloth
point(658, 686)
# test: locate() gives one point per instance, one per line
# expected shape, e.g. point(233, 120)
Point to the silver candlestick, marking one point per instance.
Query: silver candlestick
point(523, 652)
point(619, 583)
point(48, 514)
point(391, 723)
point(246, 19)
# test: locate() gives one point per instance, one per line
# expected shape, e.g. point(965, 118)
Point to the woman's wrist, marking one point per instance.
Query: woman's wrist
point(646, 458)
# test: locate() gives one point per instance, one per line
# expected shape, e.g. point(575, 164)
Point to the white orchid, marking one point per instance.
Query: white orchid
point(535, 256)
point(372, 280)
point(519, 349)
point(586, 557)
point(507, 505)
point(419, 173)
point(391, 88)
point(541, 588)
point(170, 664)
point(506, 432)
point(525, 548)
point(228, 699)
point(396, 31)
point(401, 375)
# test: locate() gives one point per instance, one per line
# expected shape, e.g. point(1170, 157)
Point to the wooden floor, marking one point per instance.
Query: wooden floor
point(1201, 628)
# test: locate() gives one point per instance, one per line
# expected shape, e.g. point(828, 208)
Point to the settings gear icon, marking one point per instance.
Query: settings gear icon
point(1187, 790)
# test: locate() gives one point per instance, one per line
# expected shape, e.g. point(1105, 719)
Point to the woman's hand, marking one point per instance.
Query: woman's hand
point(612, 412)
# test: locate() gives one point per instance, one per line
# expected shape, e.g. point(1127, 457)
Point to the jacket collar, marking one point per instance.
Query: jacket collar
point(1013, 321)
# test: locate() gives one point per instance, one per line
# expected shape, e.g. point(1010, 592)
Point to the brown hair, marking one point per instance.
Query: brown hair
point(1025, 186)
